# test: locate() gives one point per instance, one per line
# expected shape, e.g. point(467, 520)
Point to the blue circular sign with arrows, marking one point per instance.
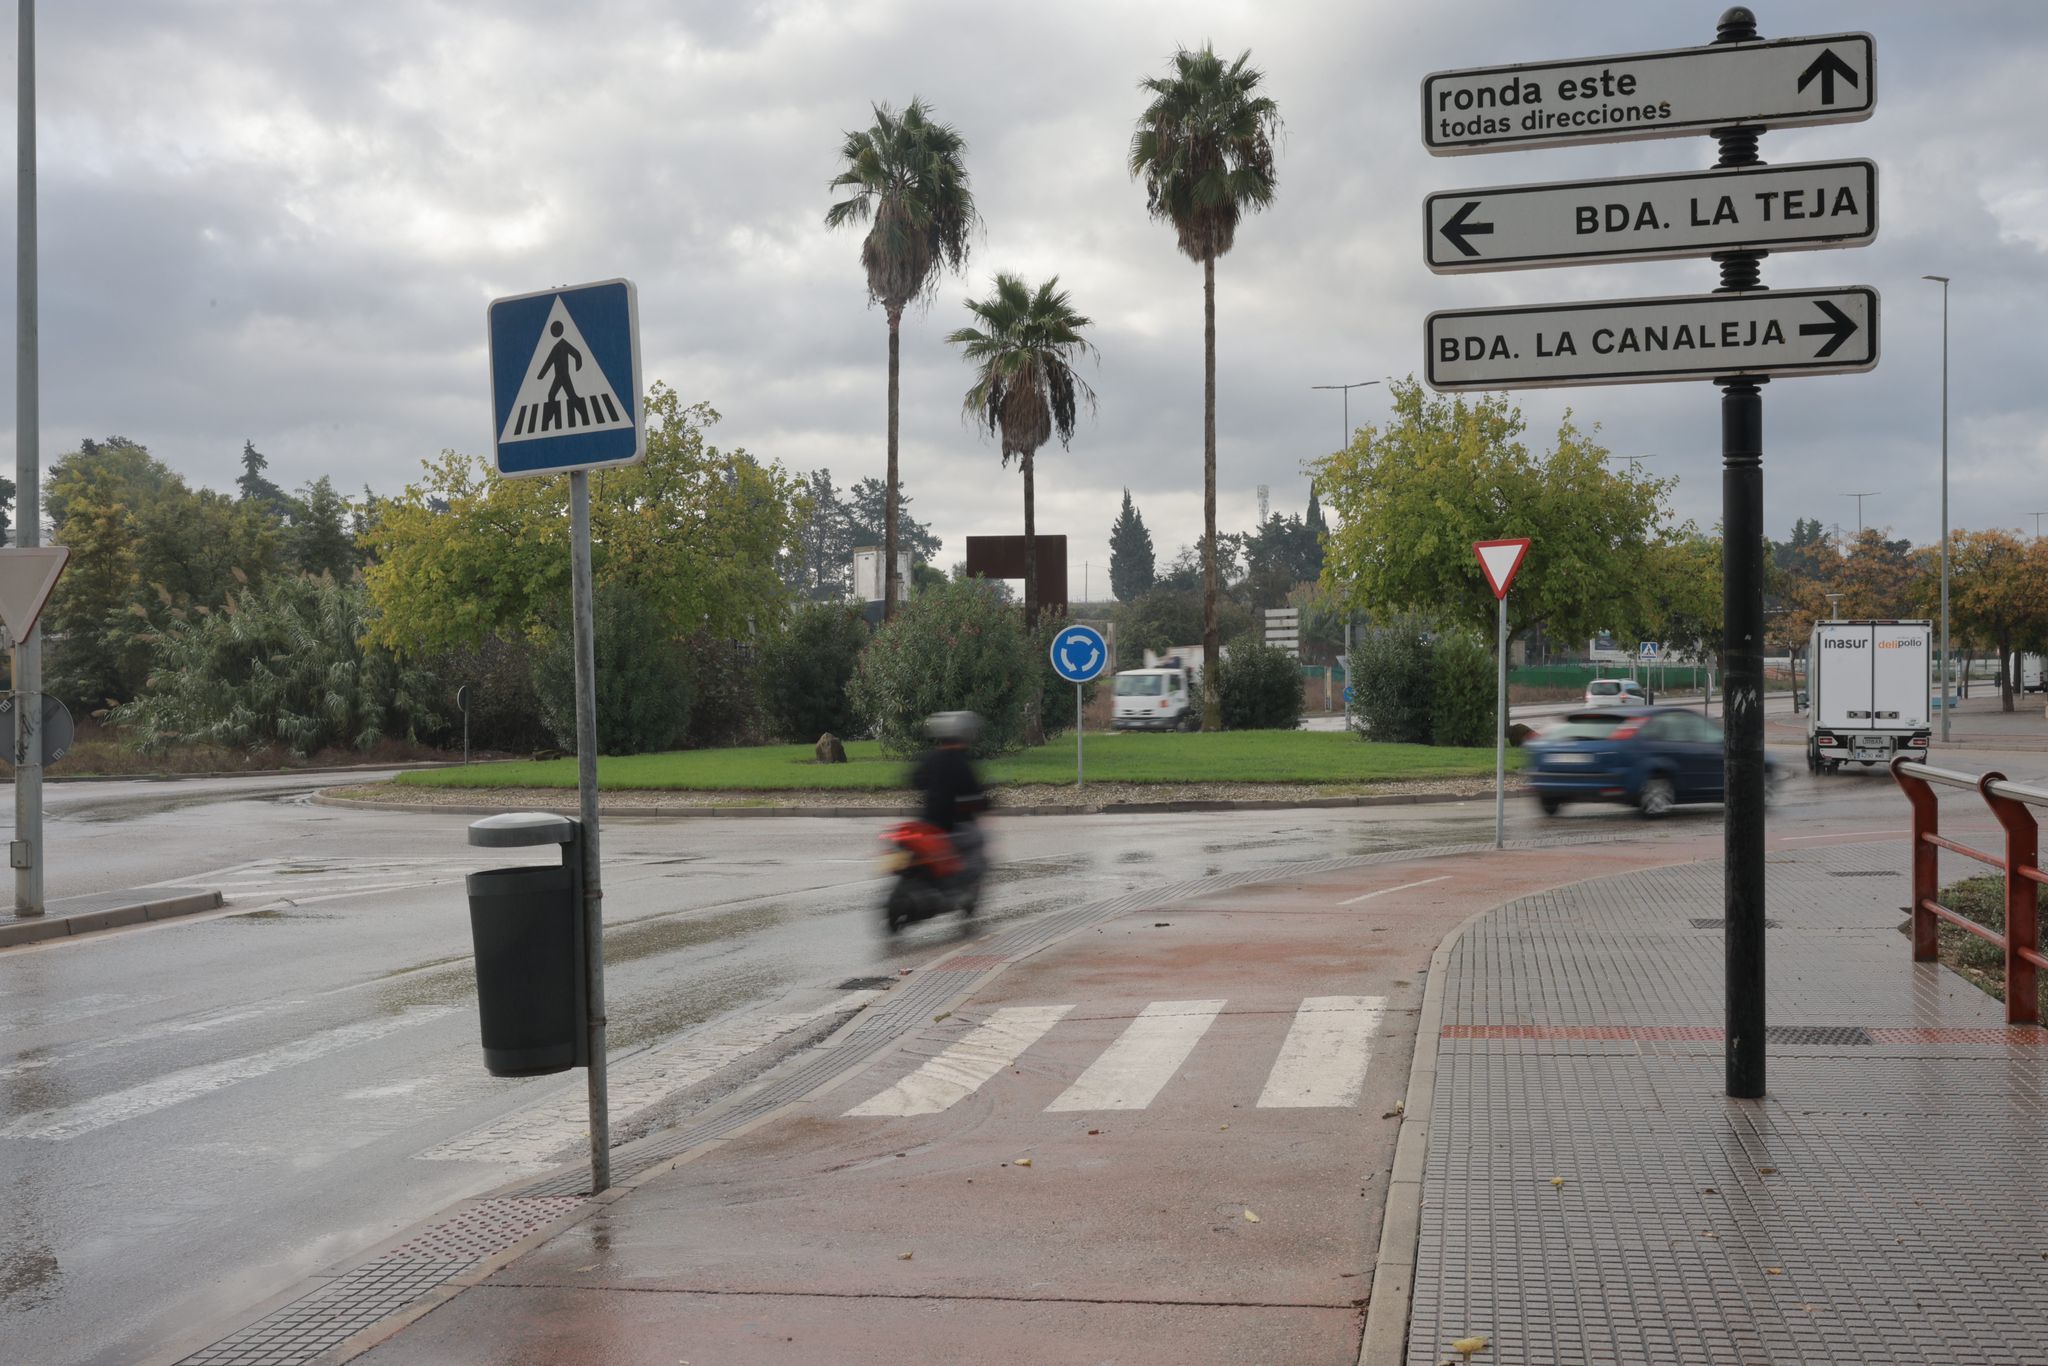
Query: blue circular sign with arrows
point(1079, 653)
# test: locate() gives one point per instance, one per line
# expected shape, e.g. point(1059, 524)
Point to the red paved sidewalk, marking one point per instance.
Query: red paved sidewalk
point(1107, 1188)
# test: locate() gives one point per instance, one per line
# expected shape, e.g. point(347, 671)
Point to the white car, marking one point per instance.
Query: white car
point(1616, 692)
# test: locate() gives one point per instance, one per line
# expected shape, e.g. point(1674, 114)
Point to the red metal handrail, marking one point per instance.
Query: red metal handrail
point(2020, 864)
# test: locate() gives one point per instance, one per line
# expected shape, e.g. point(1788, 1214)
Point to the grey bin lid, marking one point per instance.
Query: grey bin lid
point(521, 829)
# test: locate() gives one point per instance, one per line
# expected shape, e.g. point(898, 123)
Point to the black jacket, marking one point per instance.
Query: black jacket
point(952, 790)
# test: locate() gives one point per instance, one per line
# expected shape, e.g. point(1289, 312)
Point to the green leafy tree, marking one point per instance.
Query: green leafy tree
point(6, 510)
point(819, 566)
point(283, 664)
point(954, 647)
point(807, 672)
point(1204, 150)
point(1283, 552)
point(906, 179)
point(1998, 594)
point(1879, 578)
point(1679, 595)
point(1025, 390)
point(698, 532)
point(256, 487)
point(1130, 554)
point(1259, 686)
point(1414, 495)
point(643, 674)
point(867, 513)
point(318, 540)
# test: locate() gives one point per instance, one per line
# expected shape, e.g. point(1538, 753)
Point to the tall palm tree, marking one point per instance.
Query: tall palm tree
point(1204, 149)
point(1025, 390)
point(908, 179)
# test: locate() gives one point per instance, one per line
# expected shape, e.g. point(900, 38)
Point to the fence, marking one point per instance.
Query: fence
point(2020, 864)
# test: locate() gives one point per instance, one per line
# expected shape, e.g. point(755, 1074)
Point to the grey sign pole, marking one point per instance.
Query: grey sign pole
point(586, 784)
point(1080, 773)
point(1500, 735)
point(26, 855)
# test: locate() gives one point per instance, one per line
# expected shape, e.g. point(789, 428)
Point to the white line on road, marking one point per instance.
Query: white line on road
point(533, 1134)
point(959, 1071)
point(1323, 1061)
point(113, 1108)
point(1144, 1057)
point(1402, 888)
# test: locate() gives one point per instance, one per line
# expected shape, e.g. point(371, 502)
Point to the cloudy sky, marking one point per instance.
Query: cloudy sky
point(282, 220)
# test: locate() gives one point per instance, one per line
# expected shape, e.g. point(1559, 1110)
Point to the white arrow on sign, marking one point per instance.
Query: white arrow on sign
point(1791, 82)
point(1640, 341)
point(1638, 218)
point(27, 574)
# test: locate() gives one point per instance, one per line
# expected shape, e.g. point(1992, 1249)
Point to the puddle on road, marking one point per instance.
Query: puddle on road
point(652, 935)
point(29, 1277)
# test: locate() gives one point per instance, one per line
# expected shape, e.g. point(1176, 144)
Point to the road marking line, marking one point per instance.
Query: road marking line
point(1323, 1060)
point(959, 1072)
point(531, 1135)
point(1144, 1057)
point(117, 1106)
point(1402, 888)
point(1839, 835)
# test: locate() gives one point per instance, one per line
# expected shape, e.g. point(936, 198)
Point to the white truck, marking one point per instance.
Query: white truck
point(1870, 692)
point(1155, 697)
point(2028, 675)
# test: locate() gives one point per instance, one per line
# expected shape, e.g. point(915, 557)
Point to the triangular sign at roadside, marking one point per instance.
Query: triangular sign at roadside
point(1499, 560)
point(27, 574)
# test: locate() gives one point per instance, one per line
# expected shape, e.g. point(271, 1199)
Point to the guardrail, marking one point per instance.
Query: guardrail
point(2020, 864)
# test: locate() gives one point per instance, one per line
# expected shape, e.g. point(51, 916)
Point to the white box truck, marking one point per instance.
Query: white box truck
point(1871, 692)
point(2028, 675)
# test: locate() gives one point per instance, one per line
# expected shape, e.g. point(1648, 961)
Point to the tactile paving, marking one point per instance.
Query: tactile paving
point(1591, 1195)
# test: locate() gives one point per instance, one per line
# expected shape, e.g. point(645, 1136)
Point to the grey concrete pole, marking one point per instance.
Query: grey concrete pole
point(27, 853)
point(1945, 666)
point(586, 783)
point(1500, 735)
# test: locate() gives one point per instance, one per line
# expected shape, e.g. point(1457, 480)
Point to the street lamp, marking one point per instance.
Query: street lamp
point(1347, 388)
point(1859, 497)
point(1942, 280)
point(2037, 524)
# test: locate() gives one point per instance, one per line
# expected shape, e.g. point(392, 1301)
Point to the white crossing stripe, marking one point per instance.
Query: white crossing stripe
point(113, 1108)
point(1402, 888)
point(533, 1134)
point(958, 1072)
point(1323, 1060)
point(1143, 1059)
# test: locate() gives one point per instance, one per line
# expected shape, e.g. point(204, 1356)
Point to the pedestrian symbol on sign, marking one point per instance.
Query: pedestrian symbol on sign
point(559, 392)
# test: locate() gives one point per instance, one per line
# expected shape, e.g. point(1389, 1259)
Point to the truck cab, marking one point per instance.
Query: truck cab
point(1152, 698)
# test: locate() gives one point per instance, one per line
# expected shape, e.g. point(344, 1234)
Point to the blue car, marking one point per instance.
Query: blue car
point(1651, 758)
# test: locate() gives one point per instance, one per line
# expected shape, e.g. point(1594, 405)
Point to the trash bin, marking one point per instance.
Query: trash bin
point(527, 925)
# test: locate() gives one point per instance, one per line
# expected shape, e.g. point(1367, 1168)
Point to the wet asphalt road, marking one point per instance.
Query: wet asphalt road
point(195, 1114)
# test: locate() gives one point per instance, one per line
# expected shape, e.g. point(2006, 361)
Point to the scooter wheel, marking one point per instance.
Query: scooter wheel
point(896, 910)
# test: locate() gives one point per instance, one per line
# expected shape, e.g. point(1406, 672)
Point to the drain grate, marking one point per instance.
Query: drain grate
point(1817, 1036)
point(867, 984)
point(485, 1229)
point(1863, 872)
point(1715, 922)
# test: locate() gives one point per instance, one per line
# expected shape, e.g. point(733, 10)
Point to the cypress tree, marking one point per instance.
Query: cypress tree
point(1130, 554)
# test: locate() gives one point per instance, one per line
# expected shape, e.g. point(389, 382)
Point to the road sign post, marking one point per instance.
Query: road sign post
point(26, 854)
point(1500, 561)
point(1739, 337)
point(566, 397)
point(1079, 654)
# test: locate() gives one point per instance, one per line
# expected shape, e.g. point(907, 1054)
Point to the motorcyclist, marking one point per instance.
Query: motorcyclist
point(951, 789)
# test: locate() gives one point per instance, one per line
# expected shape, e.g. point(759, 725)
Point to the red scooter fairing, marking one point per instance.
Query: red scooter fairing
point(930, 848)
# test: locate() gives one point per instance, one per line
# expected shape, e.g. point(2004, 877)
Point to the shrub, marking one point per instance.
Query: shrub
point(1055, 700)
point(953, 647)
point(643, 687)
point(724, 679)
point(1464, 696)
point(1258, 686)
point(1390, 681)
point(283, 665)
point(504, 713)
point(806, 672)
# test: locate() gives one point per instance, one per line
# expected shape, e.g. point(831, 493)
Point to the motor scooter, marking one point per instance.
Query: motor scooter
point(935, 873)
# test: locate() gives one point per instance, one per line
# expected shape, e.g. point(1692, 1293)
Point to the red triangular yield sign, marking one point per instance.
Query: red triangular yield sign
point(1499, 560)
point(27, 574)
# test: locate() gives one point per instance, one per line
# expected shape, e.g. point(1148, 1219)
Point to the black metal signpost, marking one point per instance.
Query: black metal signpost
point(1738, 337)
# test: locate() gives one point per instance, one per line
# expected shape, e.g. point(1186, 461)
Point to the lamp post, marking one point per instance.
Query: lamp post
point(1942, 280)
point(1347, 388)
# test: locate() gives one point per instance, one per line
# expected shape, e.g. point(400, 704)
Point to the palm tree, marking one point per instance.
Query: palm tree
point(1204, 148)
point(907, 178)
point(1025, 390)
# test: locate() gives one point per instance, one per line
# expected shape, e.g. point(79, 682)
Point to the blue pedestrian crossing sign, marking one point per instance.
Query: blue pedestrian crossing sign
point(1079, 653)
point(565, 379)
point(1650, 649)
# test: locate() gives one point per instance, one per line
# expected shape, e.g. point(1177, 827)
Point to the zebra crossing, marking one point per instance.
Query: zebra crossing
point(309, 882)
point(1321, 1063)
